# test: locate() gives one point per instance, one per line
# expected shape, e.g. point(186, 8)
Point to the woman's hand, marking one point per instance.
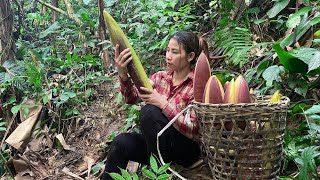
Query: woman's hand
point(153, 97)
point(122, 60)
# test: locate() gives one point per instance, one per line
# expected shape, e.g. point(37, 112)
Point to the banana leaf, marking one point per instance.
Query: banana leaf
point(289, 61)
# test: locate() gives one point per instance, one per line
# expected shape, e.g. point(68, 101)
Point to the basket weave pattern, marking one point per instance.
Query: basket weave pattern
point(243, 141)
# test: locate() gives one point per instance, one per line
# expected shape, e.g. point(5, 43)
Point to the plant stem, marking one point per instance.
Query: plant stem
point(8, 129)
point(5, 163)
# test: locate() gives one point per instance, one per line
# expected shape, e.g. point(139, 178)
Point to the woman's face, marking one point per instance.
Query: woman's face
point(177, 59)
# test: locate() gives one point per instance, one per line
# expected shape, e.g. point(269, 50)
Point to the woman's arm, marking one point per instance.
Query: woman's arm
point(127, 89)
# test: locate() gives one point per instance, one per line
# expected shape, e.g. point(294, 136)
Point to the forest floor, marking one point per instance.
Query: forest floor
point(85, 138)
point(90, 137)
point(83, 153)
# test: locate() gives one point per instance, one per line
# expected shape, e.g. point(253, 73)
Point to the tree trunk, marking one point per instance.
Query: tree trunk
point(102, 34)
point(7, 46)
point(54, 14)
point(71, 12)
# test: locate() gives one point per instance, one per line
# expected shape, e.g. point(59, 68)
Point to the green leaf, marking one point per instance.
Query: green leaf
point(86, 2)
point(119, 98)
point(67, 95)
point(164, 41)
point(293, 37)
point(64, 97)
point(278, 7)
point(34, 75)
point(314, 117)
point(269, 83)
point(162, 21)
point(163, 168)
point(310, 56)
point(97, 167)
point(149, 174)
point(50, 30)
point(248, 75)
point(164, 177)
point(262, 67)
point(298, 107)
point(153, 164)
point(314, 127)
point(2, 129)
point(299, 161)
point(299, 85)
point(125, 174)
point(313, 110)
point(260, 21)
point(116, 85)
point(15, 109)
point(306, 162)
point(116, 176)
point(12, 99)
point(3, 77)
point(72, 112)
point(272, 73)
point(294, 19)
point(25, 111)
point(70, 94)
point(289, 61)
point(25, 99)
point(236, 43)
point(302, 90)
point(135, 177)
point(315, 20)
point(45, 99)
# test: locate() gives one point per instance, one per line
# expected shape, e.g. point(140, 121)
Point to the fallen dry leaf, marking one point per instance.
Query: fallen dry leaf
point(63, 143)
point(59, 77)
point(82, 167)
point(32, 106)
point(132, 167)
point(35, 144)
point(24, 130)
point(53, 162)
point(22, 167)
point(46, 132)
point(68, 172)
point(256, 52)
point(19, 177)
point(37, 167)
point(90, 162)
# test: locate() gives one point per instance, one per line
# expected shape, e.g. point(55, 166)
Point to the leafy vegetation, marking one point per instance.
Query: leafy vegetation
point(275, 44)
point(153, 172)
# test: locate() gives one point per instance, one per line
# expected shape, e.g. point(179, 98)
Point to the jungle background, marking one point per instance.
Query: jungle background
point(60, 105)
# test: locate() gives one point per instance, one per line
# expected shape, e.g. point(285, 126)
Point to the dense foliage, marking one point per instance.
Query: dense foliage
point(275, 44)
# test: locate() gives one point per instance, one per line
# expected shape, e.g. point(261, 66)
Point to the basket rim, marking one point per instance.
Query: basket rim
point(262, 101)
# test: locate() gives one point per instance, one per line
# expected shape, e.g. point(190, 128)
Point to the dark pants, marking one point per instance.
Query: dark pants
point(174, 147)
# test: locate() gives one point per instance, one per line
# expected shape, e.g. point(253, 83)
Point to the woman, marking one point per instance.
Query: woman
point(173, 91)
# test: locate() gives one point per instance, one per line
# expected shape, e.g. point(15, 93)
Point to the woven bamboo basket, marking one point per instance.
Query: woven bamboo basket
point(243, 141)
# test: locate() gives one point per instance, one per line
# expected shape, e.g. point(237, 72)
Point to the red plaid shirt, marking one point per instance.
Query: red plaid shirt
point(179, 97)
